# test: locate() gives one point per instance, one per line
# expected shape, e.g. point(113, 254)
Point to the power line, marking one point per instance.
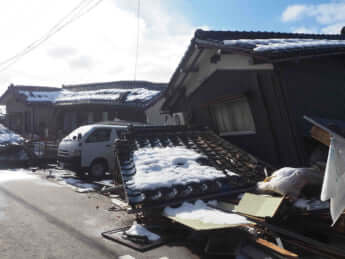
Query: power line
point(78, 11)
point(137, 46)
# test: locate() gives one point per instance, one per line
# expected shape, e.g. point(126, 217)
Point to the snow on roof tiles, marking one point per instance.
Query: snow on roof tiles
point(103, 95)
point(263, 45)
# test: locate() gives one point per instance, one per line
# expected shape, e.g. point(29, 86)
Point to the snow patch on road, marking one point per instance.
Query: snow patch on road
point(16, 175)
point(79, 185)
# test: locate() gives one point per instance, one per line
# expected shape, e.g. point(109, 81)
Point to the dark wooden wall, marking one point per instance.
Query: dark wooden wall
point(313, 87)
point(272, 141)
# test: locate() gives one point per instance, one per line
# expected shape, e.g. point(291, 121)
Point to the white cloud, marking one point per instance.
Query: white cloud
point(98, 47)
point(328, 17)
point(293, 13)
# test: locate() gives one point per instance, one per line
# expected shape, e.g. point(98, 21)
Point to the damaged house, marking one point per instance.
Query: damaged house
point(53, 112)
point(253, 89)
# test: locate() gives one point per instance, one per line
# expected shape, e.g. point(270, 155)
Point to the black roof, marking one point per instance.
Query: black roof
point(321, 44)
point(235, 35)
point(220, 154)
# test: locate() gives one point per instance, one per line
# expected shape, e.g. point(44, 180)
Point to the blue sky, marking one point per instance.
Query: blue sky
point(265, 15)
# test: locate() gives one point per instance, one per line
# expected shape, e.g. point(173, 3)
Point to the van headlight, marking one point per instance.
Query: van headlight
point(77, 152)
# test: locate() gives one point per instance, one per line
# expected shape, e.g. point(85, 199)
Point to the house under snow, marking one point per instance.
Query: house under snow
point(51, 111)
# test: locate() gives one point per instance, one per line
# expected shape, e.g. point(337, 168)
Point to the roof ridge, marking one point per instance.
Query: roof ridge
point(229, 35)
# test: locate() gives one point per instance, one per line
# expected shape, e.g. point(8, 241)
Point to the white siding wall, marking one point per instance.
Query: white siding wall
point(154, 116)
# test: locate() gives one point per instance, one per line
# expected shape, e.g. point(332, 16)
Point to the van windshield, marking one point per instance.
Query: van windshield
point(81, 130)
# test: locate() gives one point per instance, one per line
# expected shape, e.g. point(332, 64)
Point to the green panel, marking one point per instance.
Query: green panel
point(259, 205)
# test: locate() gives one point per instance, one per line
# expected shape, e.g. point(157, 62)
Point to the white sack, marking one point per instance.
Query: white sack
point(333, 187)
point(290, 181)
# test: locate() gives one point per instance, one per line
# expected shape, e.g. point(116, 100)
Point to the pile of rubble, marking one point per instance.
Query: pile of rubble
point(189, 186)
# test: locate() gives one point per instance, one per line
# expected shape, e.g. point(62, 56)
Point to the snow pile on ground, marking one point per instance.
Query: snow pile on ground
point(16, 175)
point(111, 95)
point(138, 230)
point(200, 211)
point(169, 166)
point(9, 137)
point(261, 45)
point(79, 185)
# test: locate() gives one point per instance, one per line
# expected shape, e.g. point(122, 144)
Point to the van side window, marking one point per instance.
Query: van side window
point(99, 135)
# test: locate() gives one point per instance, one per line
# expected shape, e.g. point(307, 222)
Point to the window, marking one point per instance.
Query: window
point(99, 135)
point(233, 117)
point(90, 117)
point(104, 116)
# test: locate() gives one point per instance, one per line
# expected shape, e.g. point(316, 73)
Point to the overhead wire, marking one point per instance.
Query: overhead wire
point(137, 44)
point(77, 12)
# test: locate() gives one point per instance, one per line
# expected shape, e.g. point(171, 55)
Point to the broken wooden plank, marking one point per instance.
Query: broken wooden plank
point(275, 248)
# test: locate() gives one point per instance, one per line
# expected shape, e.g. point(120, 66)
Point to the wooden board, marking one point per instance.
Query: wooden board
point(261, 206)
point(199, 225)
point(320, 135)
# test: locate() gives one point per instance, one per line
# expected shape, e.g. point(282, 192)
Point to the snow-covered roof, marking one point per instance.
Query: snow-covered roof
point(102, 95)
point(264, 45)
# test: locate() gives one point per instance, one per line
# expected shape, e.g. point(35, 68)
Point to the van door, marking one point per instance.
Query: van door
point(98, 145)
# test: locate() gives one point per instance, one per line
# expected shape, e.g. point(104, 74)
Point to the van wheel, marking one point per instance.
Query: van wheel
point(98, 169)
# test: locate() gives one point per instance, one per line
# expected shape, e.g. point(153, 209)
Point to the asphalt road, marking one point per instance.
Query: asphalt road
point(42, 219)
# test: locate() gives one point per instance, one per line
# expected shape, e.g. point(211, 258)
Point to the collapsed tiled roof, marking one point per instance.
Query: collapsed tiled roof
point(163, 165)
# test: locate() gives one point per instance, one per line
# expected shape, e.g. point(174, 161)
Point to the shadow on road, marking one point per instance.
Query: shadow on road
point(62, 225)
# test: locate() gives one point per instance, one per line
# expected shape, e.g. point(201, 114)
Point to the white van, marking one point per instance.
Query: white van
point(89, 149)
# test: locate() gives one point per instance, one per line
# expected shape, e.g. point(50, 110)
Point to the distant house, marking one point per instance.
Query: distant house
point(51, 112)
point(154, 114)
point(122, 100)
point(29, 110)
point(253, 88)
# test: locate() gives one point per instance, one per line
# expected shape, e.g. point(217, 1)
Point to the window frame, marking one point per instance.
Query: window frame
point(212, 108)
point(93, 132)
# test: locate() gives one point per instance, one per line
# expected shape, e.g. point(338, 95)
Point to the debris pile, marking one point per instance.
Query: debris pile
point(220, 200)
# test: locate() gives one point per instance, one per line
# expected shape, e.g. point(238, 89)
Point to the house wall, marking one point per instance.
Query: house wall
point(154, 116)
point(272, 140)
point(313, 87)
point(30, 119)
point(227, 61)
point(81, 115)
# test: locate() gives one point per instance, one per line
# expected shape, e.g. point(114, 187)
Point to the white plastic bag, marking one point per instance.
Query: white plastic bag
point(290, 181)
point(333, 186)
